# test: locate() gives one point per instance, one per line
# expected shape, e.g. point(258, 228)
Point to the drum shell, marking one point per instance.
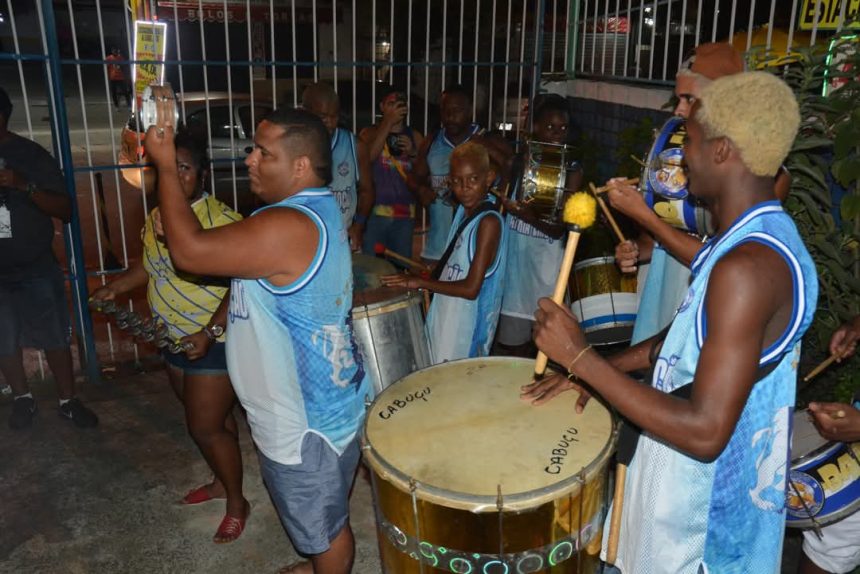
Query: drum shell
point(683, 214)
point(545, 177)
point(830, 473)
point(604, 300)
point(391, 337)
point(415, 517)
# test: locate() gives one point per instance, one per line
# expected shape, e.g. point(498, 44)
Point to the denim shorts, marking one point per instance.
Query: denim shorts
point(214, 362)
point(34, 314)
point(312, 497)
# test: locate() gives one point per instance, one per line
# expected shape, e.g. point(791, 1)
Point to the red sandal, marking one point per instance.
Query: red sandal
point(199, 495)
point(230, 529)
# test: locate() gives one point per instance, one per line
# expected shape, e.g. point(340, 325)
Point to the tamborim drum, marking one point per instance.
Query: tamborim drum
point(825, 477)
point(664, 182)
point(544, 178)
point(388, 323)
point(604, 300)
point(469, 478)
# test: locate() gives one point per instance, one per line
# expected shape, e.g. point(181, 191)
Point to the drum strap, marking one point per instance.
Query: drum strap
point(628, 434)
point(437, 271)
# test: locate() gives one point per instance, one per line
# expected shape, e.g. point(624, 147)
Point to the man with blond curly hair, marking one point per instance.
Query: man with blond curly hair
point(705, 489)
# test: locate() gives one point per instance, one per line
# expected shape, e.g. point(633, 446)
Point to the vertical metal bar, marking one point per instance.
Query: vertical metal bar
point(584, 34)
point(21, 70)
point(492, 60)
point(552, 47)
point(391, 45)
point(639, 41)
point(716, 19)
point(373, 62)
point(444, 39)
point(567, 37)
point(460, 48)
point(409, 67)
point(594, 33)
point(137, 133)
point(841, 21)
point(206, 96)
point(475, 68)
point(274, 58)
point(818, 8)
point(627, 40)
point(354, 70)
point(426, 91)
point(251, 68)
point(666, 39)
point(698, 24)
point(749, 26)
point(683, 33)
point(334, 39)
point(615, 36)
point(74, 247)
point(605, 35)
point(732, 20)
point(540, 6)
point(233, 149)
point(790, 40)
point(508, 61)
point(653, 39)
point(314, 38)
point(295, 54)
point(178, 57)
point(770, 25)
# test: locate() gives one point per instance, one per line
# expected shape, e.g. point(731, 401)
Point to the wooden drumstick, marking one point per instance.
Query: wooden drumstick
point(380, 249)
point(617, 508)
point(579, 213)
point(607, 213)
point(606, 188)
point(823, 365)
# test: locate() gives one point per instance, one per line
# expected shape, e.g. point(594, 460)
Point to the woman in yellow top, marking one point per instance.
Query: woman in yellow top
point(194, 309)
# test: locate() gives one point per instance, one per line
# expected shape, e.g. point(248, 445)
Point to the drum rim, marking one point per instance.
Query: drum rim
point(402, 301)
point(571, 485)
point(823, 519)
point(673, 121)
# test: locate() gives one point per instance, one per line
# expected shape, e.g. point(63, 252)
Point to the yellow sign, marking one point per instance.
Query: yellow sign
point(828, 13)
point(149, 44)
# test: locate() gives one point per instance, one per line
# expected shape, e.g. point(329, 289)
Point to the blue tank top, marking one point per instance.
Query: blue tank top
point(727, 515)
point(441, 211)
point(458, 328)
point(291, 353)
point(665, 287)
point(344, 173)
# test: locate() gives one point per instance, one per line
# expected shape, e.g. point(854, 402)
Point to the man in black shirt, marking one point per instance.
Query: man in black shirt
point(33, 309)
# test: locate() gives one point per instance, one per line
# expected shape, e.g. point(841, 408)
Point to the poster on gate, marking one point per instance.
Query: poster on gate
point(149, 44)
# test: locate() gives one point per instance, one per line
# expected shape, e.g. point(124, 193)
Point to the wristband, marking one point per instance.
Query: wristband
point(359, 219)
point(576, 358)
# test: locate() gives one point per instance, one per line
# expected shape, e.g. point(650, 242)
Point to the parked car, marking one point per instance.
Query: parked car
point(223, 152)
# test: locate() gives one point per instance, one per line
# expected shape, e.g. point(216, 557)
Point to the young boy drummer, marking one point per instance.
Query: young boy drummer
point(468, 279)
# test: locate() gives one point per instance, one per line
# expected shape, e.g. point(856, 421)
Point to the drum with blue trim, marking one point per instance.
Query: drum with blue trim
point(824, 480)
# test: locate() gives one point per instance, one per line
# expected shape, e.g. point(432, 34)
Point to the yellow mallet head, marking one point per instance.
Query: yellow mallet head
point(580, 210)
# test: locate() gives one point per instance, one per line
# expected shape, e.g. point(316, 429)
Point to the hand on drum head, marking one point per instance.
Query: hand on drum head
point(542, 391)
point(557, 333)
point(401, 280)
point(627, 256)
point(836, 421)
point(627, 199)
point(843, 343)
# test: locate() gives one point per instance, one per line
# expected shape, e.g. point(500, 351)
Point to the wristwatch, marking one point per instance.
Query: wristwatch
point(213, 331)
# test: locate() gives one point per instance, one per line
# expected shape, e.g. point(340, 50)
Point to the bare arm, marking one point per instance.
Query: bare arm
point(252, 248)
point(489, 233)
point(393, 112)
point(366, 196)
point(749, 292)
point(55, 203)
point(136, 276)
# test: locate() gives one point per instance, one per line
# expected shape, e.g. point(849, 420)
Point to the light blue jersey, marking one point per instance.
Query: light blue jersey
point(344, 173)
point(458, 328)
point(727, 516)
point(291, 353)
point(441, 211)
point(665, 286)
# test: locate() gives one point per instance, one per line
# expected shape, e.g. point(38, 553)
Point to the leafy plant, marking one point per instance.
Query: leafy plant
point(634, 142)
point(825, 197)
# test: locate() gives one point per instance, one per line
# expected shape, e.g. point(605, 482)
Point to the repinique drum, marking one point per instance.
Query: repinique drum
point(469, 478)
point(825, 477)
point(664, 182)
point(388, 323)
point(544, 178)
point(604, 300)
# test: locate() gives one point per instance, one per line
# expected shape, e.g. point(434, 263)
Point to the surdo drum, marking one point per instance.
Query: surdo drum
point(544, 178)
point(825, 477)
point(388, 323)
point(664, 182)
point(469, 478)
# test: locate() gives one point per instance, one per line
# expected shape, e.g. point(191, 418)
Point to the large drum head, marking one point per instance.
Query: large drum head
point(460, 434)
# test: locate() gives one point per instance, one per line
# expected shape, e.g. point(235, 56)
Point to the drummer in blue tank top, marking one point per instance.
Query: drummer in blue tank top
point(705, 489)
point(429, 175)
point(291, 354)
point(351, 179)
point(469, 278)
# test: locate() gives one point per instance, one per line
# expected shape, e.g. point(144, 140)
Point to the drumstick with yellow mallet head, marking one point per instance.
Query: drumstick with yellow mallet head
point(580, 210)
